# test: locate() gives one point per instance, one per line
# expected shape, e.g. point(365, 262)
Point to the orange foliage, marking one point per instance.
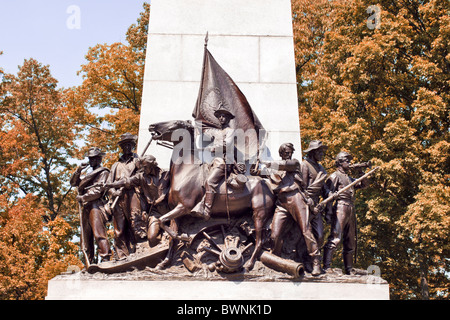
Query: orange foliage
point(31, 253)
point(112, 87)
point(383, 95)
point(40, 127)
point(38, 135)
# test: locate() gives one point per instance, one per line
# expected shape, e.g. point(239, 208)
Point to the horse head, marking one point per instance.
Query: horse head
point(164, 130)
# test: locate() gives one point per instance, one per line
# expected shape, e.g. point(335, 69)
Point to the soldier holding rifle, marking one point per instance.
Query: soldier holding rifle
point(93, 214)
point(313, 176)
point(126, 205)
point(343, 217)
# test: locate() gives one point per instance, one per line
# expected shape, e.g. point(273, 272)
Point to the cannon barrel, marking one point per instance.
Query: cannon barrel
point(274, 262)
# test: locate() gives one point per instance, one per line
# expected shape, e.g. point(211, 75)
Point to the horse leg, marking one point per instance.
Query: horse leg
point(177, 212)
point(262, 204)
point(171, 251)
point(259, 219)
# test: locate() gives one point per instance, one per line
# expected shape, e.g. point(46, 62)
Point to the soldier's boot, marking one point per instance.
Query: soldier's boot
point(316, 266)
point(327, 258)
point(203, 208)
point(209, 199)
point(348, 263)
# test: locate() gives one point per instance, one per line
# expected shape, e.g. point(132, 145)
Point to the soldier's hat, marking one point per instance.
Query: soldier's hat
point(344, 155)
point(222, 110)
point(127, 137)
point(314, 145)
point(148, 159)
point(95, 152)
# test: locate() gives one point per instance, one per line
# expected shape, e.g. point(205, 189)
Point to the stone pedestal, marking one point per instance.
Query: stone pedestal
point(252, 40)
point(79, 287)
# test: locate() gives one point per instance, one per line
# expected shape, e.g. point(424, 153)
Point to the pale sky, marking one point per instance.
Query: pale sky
point(59, 32)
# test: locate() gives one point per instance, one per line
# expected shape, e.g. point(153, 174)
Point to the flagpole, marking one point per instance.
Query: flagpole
point(203, 67)
point(200, 94)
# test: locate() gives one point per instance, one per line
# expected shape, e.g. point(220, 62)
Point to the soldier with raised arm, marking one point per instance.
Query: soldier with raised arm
point(292, 205)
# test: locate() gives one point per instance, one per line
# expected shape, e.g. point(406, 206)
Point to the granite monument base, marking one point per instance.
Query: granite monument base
point(80, 287)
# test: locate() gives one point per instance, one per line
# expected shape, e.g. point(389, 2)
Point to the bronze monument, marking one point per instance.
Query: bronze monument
point(221, 206)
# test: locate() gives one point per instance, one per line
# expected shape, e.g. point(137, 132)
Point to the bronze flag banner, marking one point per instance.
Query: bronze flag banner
point(218, 90)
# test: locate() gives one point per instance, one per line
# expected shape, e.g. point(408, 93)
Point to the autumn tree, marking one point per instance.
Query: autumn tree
point(111, 91)
point(38, 219)
point(40, 130)
point(380, 90)
point(37, 137)
point(30, 255)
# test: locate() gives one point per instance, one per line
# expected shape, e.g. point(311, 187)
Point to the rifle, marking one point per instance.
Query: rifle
point(331, 198)
point(148, 145)
point(95, 185)
point(367, 164)
point(83, 247)
point(117, 198)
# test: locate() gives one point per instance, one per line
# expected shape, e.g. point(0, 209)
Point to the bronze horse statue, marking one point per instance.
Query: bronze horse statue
point(187, 180)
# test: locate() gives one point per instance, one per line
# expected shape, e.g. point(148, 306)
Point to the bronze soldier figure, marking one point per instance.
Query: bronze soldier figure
point(125, 202)
point(343, 217)
point(94, 215)
point(292, 205)
point(313, 182)
point(187, 190)
point(221, 166)
point(153, 183)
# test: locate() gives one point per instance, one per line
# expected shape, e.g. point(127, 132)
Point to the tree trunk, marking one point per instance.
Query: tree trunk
point(424, 291)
